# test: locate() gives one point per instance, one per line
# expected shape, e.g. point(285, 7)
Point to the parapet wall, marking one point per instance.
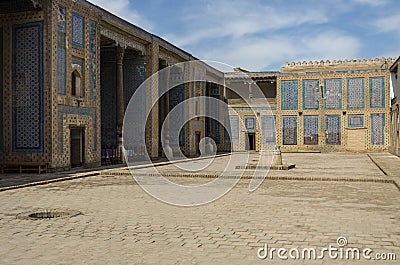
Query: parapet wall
point(337, 65)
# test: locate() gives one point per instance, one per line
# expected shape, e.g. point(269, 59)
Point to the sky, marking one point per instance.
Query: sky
point(262, 35)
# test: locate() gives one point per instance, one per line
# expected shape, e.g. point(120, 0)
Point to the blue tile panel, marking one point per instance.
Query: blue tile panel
point(234, 129)
point(1, 89)
point(134, 76)
point(27, 88)
point(61, 52)
point(333, 93)
point(289, 125)
point(289, 94)
point(66, 110)
point(268, 130)
point(378, 129)
point(310, 130)
point(355, 121)
point(215, 126)
point(92, 59)
point(310, 94)
point(176, 96)
point(377, 92)
point(355, 93)
point(78, 30)
point(332, 130)
point(108, 86)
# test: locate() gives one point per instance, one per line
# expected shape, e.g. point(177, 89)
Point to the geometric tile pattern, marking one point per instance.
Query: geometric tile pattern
point(234, 129)
point(377, 92)
point(92, 59)
point(176, 96)
point(289, 124)
point(332, 130)
point(227, 139)
point(355, 121)
point(289, 94)
point(27, 89)
point(268, 130)
point(66, 110)
point(78, 27)
point(355, 93)
point(134, 76)
point(333, 93)
point(310, 94)
point(310, 130)
point(108, 73)
point(1, 90)
point(215, 127)
point(250, 123)
point(377, 129)
point(61, 52)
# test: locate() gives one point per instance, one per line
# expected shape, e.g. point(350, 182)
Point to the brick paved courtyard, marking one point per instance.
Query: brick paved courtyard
point(121, 224)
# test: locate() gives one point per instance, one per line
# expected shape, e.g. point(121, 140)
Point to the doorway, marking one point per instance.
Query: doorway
point(197, 142)
point(77, 147)
point(251, 141)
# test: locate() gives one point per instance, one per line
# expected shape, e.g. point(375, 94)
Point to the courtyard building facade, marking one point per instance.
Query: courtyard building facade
point(68, 69)
point(314, 106)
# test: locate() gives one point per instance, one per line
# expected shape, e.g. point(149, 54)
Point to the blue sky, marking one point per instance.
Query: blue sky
point(262, 35)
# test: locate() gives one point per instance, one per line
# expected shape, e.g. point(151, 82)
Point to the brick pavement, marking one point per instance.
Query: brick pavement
point(121, 224)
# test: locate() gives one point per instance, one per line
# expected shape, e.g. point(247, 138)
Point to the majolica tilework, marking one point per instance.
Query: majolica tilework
point(356, 121)
point(27, 88)
point(92, 59)
point(215, 110)
point(377, 129)
point(250, 123)
point(227, 139)
point(234, 129)
point(268, 130)
point(134, 76)
point(310, 130)
point(355, 93)
point(61, 52)
point(78, 28)
point(108, 86)
point(289, 93)
point(289, 124)
point(1, 89)
point(176, 96)
point(310, 94)
point(377, 92)
point(65, 110)
point(332, 130)
point(333, 93)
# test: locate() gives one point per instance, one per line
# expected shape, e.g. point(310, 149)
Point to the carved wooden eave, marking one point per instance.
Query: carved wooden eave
point(123, 41)
point(169, 57)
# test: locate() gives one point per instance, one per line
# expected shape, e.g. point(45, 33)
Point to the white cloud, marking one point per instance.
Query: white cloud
point(255, 53)
point(123, 9)
point(390, 23)
point(371, 2)
point(240, 18)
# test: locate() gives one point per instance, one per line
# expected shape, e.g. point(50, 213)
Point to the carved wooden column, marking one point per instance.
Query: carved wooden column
point(152, 67)
point(120, 97)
